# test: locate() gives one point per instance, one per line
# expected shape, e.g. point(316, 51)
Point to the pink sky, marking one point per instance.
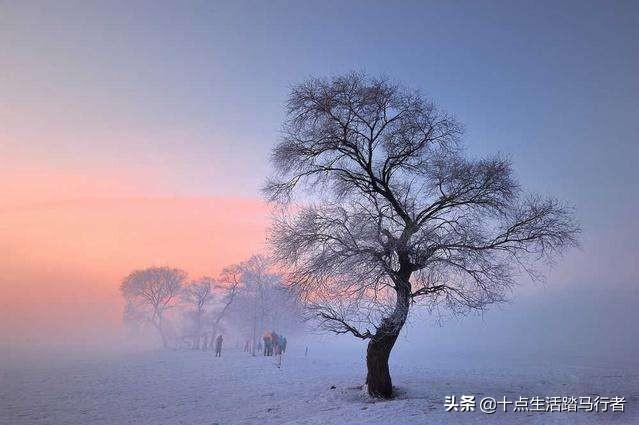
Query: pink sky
point(68, 237)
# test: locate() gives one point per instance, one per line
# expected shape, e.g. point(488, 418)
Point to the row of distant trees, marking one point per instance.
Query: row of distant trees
point(246, 299)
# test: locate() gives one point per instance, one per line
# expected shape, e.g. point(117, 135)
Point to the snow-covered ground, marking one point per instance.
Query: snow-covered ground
point(192, 387)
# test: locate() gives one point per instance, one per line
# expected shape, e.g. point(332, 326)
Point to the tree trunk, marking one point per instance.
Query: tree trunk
point(253, 341)
point(165, 342)
point(198, 332)
point(378, 379)
point(160, 327)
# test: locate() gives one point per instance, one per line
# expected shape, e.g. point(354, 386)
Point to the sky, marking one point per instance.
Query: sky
point(138, 133)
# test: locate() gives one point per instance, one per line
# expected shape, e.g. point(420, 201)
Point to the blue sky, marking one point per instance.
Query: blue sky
point(199, 85)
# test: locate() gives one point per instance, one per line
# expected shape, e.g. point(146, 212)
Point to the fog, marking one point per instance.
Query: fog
point(586, 324)
point(60, 297)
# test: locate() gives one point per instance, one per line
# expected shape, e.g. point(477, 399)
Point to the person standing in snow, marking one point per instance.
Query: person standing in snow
point(269, 343)
point(218, 346)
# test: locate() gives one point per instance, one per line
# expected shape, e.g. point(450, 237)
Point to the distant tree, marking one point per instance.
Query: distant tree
point(198, 296)
point(226, 289)
point(262, 302)
point(150, 293)
point(387, 211)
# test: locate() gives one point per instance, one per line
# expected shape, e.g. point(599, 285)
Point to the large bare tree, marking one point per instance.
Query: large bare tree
point(386, 211)
point(150, 293)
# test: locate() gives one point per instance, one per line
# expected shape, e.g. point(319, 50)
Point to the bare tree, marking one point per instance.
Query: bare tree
point(227, 286)
point(387, 211)
point(198, 295)
point(250, 310)
point(262, 301)
point(149, 293)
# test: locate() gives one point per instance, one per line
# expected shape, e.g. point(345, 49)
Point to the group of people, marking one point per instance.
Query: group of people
point(205, 343)
point(270, 344)
point(274, 344)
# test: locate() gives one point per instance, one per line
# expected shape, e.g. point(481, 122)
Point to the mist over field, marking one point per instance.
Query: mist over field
point(595, 328)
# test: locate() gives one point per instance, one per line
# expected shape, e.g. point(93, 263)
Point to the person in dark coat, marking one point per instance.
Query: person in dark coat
point(218, 346)
point(277, 346)
point(268, 344)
